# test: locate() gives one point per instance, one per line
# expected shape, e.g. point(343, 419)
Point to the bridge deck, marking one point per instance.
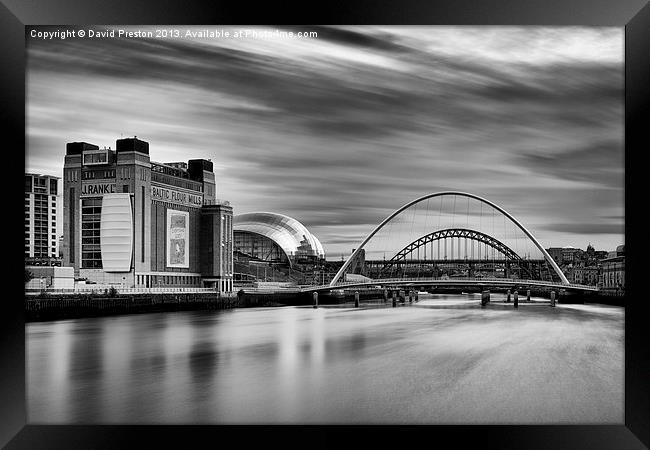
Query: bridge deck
point(451, 282)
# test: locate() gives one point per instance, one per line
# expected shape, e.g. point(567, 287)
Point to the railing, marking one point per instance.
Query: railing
point(102, 291)
point(485, 280)
point(272, 289)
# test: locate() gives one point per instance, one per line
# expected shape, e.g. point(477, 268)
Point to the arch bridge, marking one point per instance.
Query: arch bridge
point(506, 254)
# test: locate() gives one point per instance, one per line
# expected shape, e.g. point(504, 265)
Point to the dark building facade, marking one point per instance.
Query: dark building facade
point(130, 221)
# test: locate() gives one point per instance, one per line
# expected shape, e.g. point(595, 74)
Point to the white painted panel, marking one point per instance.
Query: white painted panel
point(116, 235)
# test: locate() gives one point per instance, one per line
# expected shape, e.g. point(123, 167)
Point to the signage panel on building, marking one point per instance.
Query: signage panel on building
point(178, 238)
point(97, 188)
point(176, 196)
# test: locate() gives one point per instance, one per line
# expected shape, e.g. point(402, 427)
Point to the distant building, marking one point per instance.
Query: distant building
point(565, 255)
point(358, 264)
point(50, 278)
point(555, 253)
point(612, 271)
point(571, 255)
point(600, 254)
point(587, 275)
point(42, 206)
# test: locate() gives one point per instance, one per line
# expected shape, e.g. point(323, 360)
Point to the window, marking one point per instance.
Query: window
point(53, 186)
point(96, 158)
point(91, 256)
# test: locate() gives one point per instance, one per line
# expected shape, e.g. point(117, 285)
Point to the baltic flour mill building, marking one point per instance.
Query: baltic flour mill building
point(137, 223)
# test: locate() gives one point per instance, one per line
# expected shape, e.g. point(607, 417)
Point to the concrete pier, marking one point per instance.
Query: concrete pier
point(552, 298)
point(315, 296)
point(485, 297)
point(516, 295)
point(356, 299)
point(528, 295)
point(508, 296)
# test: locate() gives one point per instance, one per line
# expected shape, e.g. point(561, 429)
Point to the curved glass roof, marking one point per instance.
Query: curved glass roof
point(292, 236)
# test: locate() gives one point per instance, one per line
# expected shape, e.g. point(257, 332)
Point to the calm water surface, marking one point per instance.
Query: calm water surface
point(442, 360)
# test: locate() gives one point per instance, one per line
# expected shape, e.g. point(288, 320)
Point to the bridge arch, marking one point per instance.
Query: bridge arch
point(454, 233)
point(547, 257)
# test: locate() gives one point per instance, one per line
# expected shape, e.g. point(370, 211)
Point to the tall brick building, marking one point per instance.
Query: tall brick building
point(133, 222)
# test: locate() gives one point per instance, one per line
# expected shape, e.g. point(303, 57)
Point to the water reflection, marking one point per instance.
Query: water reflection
point(441, 360)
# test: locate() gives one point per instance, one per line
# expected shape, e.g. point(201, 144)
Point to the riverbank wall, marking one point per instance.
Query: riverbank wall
point(57, 307)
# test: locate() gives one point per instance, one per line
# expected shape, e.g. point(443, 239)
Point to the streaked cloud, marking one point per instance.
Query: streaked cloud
point(340, 130)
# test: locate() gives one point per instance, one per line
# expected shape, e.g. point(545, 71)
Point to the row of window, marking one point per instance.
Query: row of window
point(41, 253)
point(91, 255)
point(28, 195)
point(98, 174)
point(41, 216)
point(166, 280)
point(27, 234)
point(39, 229)
point(39, 184)
point(40, 225)
point(179, 182)
point(40, 209)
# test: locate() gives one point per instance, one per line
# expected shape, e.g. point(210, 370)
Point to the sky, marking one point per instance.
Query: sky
point(340, 130)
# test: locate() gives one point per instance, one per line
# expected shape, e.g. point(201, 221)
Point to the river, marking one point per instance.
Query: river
point(443, 360)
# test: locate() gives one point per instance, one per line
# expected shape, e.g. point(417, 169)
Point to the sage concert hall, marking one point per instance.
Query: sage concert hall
point(133, 222)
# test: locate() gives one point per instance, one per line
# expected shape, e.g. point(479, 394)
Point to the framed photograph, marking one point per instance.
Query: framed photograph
point(431, 222)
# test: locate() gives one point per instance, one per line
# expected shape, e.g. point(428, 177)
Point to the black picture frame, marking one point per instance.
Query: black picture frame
point(634, 15)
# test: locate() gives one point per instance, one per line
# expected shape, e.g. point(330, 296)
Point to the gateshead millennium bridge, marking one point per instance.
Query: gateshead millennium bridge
point(476, 240)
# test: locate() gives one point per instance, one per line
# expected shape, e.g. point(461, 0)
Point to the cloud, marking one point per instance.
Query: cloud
point(341, 130)
point(587, 228)
point(600, 163)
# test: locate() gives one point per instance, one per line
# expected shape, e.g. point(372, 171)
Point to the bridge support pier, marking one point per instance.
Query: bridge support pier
point(394, 299)
point(485, 297)
point(385, 295)
point(508, 296)
point(516, 299)
point(315, 297)
point(416, 296)
point(528, 295)
point(552, 298)
point(410, 296)
point(356, 299)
